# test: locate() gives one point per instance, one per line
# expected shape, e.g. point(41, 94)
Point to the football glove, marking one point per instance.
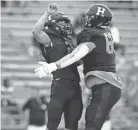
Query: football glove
point(45, 69)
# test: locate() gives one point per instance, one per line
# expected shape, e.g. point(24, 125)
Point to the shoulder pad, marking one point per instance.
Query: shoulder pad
point(92, 32)
point(86, 35)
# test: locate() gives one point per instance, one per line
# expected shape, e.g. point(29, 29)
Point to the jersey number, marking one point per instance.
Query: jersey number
point(109, 43)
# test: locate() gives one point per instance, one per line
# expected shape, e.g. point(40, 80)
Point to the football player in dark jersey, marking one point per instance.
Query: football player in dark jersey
point(53, 31)
point(96, 49)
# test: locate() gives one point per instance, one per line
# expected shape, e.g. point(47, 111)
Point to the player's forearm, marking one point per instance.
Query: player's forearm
point(83, 51)
point(39, 26)
point(65, 58)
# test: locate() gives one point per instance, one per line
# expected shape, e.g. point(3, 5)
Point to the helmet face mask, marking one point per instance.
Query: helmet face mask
point(85, 20)
point(60, 23)
point(97, 15)
point(64, 27)
point(90, 21)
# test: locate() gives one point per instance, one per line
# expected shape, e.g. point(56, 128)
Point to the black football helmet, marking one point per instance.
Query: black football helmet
point(60, 23)
point(96, 15)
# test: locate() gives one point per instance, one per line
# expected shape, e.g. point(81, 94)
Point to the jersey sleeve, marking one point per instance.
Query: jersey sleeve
point(87, 36)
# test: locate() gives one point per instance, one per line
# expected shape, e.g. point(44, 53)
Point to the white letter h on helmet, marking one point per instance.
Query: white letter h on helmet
point(100, 11)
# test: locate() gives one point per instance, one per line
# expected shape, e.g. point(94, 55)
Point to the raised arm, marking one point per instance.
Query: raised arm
point(38, 32)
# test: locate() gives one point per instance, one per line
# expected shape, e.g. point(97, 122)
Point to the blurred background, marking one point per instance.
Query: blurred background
point(22, 91)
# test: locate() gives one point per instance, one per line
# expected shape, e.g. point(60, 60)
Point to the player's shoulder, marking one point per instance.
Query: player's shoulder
point(90, 32)
point(94, 31)
point(87, 33)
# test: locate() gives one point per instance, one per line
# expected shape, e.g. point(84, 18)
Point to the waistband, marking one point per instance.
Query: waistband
point(58, 79)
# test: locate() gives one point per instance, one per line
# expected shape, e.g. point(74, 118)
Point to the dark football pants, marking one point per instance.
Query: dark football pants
point(65, 97)
point(103, 98)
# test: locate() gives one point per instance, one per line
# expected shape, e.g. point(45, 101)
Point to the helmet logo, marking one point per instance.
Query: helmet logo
point(49, 18)
point(100, 11)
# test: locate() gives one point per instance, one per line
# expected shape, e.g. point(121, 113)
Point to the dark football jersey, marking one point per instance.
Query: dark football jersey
point(57, 51)
point(102, 57)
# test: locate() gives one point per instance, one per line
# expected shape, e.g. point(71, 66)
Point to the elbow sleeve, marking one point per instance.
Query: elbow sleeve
point(84, 50)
